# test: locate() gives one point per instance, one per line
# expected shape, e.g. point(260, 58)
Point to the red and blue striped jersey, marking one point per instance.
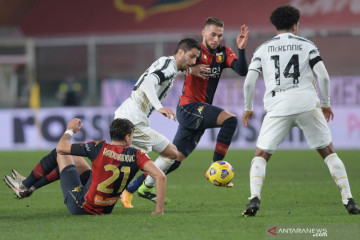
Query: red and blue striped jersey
point(197, 89)
point(113, 167)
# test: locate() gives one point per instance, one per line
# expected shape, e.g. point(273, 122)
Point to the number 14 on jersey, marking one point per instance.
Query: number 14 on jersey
point(293, 62)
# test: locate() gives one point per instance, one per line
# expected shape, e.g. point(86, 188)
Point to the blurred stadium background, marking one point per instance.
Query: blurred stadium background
point(99, 48)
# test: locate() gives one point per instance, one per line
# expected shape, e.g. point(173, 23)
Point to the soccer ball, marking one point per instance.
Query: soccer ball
point(220, 173)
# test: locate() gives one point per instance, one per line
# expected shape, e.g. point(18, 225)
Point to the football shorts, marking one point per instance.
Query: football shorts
point(312, 123)
point(147, 139)
point(194, 118)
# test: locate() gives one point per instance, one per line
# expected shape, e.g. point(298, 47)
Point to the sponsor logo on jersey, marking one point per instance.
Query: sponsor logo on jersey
point(144, 10)
point(219, 57)
point(101, 201)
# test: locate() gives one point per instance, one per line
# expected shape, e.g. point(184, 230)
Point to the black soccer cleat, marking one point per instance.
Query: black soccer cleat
point(252, 208)
point(351, 207)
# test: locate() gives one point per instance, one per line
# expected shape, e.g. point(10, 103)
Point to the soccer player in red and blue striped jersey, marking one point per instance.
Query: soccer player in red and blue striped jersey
point(195, 111)
point(114, 165)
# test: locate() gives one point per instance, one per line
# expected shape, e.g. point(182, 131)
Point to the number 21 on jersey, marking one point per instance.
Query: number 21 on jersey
point(293, 62)
point(104, 186)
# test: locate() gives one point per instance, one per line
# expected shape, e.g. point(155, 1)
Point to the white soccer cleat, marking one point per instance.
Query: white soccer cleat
point(17, 176)
point(14, 184)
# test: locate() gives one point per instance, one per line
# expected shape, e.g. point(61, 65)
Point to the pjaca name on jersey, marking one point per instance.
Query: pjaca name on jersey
point(284, 48)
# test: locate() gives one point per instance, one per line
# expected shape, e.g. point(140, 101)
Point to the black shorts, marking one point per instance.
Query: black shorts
point(194, 119)
point(74, 192)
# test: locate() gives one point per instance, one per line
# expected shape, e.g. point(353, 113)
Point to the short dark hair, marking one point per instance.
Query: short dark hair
point(187, 44)
point(284, 17)
point(214, 21)
point(119, 128)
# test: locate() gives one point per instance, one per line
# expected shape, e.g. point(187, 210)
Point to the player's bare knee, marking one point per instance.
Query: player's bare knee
point(224, 116)
point(170, 152)
point(262, 153)
point(180, 157)
point(81, 164)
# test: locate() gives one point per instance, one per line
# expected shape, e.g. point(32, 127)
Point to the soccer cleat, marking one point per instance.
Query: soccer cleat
point(146, 192)
point(351, 207)
point(252, 208)
point(17, 176)
point(207, 174)
point(14, 184)
point(126, 199)
point(149, 193)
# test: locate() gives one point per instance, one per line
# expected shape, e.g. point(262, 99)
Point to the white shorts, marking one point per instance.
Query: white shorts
point(312, 123)
point(147, 139)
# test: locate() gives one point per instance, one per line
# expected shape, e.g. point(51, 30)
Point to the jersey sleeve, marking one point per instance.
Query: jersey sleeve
point(142, 158)
point(87, 149)
point(165, 71)
point(148, 87)
point(256, 64)
point(314, 56)
point(230, 56)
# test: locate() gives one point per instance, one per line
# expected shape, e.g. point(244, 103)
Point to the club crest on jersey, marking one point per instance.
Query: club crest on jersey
point(145, 10)
point(219, 57)
point(200, 109)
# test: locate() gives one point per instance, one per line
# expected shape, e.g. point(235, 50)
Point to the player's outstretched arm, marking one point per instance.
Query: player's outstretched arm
point(160, 178)
point(64, 145)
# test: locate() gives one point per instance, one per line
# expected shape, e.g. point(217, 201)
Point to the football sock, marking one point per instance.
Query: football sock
point(49, 178)
point(136, 183)
point(224, 138)
point(164, 165)
point(257, 176)
point(44, 167)
point(173, 167)
point(338, 172)
point(84, 177)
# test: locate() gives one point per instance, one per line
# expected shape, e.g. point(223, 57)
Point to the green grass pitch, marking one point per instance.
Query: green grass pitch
point(298, 190)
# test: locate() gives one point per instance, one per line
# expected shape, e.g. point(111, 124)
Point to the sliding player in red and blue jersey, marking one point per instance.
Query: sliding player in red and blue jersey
point(113, 167)
point(195, 111)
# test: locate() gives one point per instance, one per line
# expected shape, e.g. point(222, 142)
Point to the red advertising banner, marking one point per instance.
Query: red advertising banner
point(84, 17)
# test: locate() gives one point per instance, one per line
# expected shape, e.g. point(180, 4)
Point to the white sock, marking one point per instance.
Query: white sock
point(338, 172)
point(164, 165)
point(257, 176)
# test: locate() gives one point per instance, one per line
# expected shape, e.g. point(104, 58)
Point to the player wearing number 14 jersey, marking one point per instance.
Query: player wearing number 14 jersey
point(287, 62)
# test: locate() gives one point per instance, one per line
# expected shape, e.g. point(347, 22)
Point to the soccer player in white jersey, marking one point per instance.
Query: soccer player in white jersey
point(287, 62)
point(148, 94)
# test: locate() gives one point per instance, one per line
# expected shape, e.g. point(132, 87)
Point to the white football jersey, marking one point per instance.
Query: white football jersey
point(138, 108)
point(286, 62)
